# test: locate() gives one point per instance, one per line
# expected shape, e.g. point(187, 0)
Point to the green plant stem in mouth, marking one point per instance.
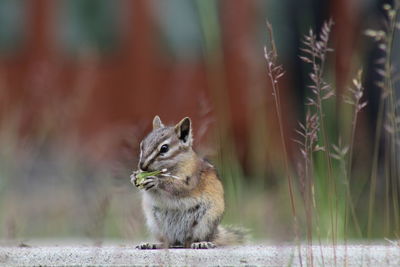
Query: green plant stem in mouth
point(142, 176)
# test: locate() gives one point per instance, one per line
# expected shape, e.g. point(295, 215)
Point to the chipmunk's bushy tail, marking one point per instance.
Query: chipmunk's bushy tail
point(231, 235)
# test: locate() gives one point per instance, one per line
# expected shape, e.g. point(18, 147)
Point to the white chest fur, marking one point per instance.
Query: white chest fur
point(177, 220)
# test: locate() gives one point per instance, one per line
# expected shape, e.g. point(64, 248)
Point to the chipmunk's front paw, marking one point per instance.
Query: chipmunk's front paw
point(203, 245)
point(150, 182)
point(133, 177)
point(149, 246)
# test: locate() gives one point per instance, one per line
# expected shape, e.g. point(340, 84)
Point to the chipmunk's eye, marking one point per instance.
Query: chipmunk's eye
point(164, 148)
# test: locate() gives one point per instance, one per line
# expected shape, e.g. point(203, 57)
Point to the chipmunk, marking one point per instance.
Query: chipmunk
point(184, 207)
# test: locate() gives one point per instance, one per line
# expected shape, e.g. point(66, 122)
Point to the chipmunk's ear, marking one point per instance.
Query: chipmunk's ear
point(157, 123)
point(184, 131)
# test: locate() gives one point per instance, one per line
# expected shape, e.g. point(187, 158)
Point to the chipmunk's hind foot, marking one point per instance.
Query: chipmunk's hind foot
point(150, 246)
point(203, 245)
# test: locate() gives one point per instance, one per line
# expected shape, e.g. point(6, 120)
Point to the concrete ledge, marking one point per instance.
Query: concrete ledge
point(253, 255)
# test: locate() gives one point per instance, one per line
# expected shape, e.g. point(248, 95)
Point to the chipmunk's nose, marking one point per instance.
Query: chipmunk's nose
point(142, 167)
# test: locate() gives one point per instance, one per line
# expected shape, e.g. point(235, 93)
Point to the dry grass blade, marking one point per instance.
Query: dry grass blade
point(315, 52)
point(389, 122)
point(308, 142)
point(354, 98)
point(275, 71)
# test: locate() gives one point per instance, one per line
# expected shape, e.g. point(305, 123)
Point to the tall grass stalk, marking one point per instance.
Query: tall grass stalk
point(392, 13)
point(392, 127)
point(385, 40)
point(315, 53)
point(308, 142)
point(354, 99)
point(339, 153)
point(374, 170)
point(275, 72)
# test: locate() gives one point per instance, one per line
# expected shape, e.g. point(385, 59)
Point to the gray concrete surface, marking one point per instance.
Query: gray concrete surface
point(252, 255)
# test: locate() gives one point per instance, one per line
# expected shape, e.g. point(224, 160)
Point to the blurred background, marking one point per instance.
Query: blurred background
point(80, 82)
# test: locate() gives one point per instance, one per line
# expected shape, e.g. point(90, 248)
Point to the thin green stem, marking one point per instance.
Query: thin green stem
point(387, 192)
point(392, 117)
point(319, 73)
point(374, 172)
point(348, 175)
